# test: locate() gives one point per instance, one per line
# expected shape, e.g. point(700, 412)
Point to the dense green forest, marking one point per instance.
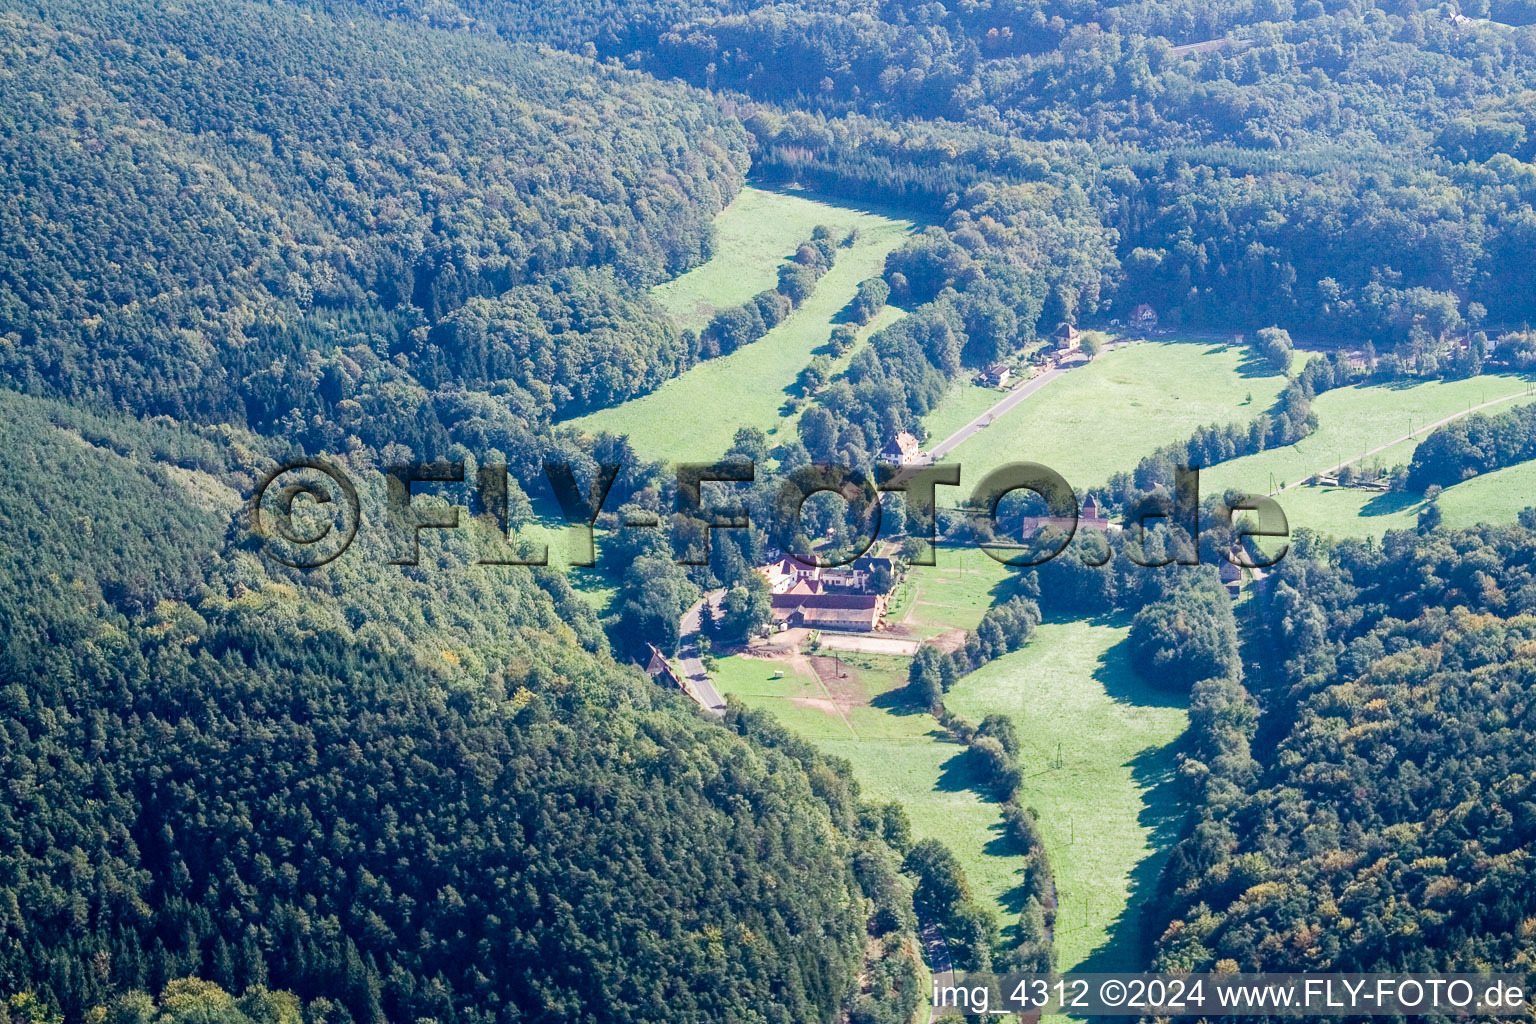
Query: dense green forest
point(235, 233)
point(368, 793)
point(1343, 167)
point(330, 228)
point(1385, 819)
point(399, 797)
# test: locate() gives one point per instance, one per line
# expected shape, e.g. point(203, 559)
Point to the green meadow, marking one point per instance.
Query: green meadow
point(1099, 419)
point(1342, 512)
point(1358, 419)
point(952, 594)
point(897, 753)
point(1108, 810)
point(754, 236)
point(1098, 758)
point(963, 402)
point(695, 415)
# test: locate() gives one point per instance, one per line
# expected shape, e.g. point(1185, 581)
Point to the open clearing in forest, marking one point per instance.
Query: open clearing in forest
point(1360, 418)
point(897, 752)
point(694, 416)
point(1102, 418)
point(1098, 757)
point(953, 594)
point(1341, 512)
point(1109, 812)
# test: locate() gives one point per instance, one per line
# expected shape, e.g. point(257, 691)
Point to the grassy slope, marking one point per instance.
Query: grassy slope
point(1355, 419)
point(1101, 418)
point(754, 236)
point(695, 415)
point(897, 753)
point(1110, 812)
point(1494, 497)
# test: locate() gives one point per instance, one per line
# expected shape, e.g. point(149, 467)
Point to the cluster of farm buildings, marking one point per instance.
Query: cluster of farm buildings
point(1066, 348)
point(853, 598)
point(850, 598)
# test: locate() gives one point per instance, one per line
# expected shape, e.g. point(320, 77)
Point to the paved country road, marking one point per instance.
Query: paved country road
point(976, 425)
point(936, 951)
point(695, 677)
point(1008, 401)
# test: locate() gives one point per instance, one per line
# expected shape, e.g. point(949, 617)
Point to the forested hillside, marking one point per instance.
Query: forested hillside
point(237, 232)
point(255, 214)
point(1346, 168)
point(420, 794)
point(403, 797)
point(1387, 821)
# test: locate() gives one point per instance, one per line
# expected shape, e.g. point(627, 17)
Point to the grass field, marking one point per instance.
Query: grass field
point(597, 585)
point(963, 402)
point(754, 236)
point(1102, 418)
point(897, 753)
point(952, 594)
point(1357, 419)
point(1109, 812)
point(695, 416)
point(1495, 497)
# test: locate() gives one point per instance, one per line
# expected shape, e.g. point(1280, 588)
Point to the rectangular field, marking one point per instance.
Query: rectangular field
point(952, 594)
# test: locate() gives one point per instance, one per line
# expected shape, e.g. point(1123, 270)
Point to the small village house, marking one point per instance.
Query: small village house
point(1067, 337)
point(997, 375)
point(903, 450)
point(661, 671)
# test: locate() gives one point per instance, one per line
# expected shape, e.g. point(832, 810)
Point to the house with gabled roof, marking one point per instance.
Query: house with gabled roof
point(1143, 317)
point(903, 449)
point(996, 375)
point(787, 572)
point(660, 669)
